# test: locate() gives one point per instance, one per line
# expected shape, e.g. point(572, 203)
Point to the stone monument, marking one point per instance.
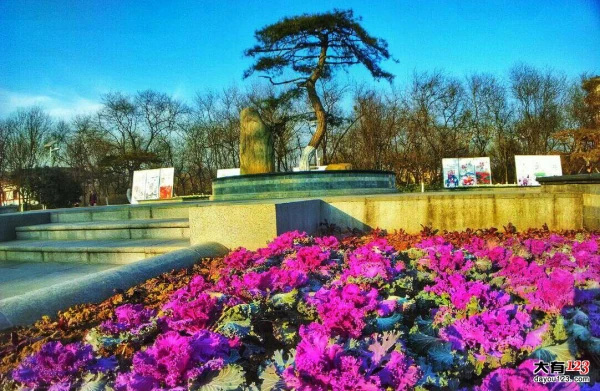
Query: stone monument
point(256, 144)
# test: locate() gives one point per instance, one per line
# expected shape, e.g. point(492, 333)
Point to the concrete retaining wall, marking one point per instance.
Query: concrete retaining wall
point(456, 211)
point(9, 221)
point(27, 308)
point(590, 194)
point(252, 224)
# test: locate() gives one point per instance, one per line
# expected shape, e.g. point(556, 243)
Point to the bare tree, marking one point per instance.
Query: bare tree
point(139, 128)
point(28, 130)
point(4, 144)
point(540, 100)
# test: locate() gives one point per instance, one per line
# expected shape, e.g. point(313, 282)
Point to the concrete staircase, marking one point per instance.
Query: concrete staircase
point(101, 235)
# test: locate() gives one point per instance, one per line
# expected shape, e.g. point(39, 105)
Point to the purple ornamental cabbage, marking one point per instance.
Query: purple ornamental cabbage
point(494, 331)
point(343, 309)
point(307, 259)
point(128, 318)
point(60, 366)
point(282, 244)
point(366, 263)
point(191, 316)
point(322, 366)
point(461, 291)
point(174, 359)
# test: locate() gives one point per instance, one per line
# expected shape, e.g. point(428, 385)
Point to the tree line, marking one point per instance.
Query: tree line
point(406, 128)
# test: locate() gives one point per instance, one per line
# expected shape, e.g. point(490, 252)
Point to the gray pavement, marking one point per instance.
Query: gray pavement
point(17, 278)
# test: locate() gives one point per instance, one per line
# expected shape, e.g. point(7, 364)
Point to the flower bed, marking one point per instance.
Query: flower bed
point(472, 309)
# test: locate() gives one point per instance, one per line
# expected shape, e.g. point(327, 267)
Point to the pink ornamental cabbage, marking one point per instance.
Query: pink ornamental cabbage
point(239, 260)
point(282, 244)
point(366, 263)
point(190, 291)
point(343, 309)
point(534, 338)
point(255, 284)
point(400, 372)
point(553, 293)
point(174, 359)
point(536, 247)
point(380, 245)
point(443, 259)
point(307, 259)
point(460, 291)
point(328, 242)
point(322, 366)
point(193, 315)
point(58, 366)
point(128, 318)
point(494, 331)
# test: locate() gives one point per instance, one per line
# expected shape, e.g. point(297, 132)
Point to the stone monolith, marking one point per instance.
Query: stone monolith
point(256, 144)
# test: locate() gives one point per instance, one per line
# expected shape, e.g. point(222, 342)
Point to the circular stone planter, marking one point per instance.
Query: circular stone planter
point(303, 184)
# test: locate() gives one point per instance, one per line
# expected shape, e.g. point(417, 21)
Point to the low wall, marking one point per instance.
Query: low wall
point(456, 211)
point(9, 221)
point(9, 209)
point(586, 185)
point(252, 224)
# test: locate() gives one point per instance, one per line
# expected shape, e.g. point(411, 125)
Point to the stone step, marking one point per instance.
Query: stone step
point(122, 212)
point(88, 251)
point(100, 230)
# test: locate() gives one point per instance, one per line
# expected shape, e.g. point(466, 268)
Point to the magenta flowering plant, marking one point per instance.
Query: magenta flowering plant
point(283, 244)
point(452, 311)
point(343, 309)
point(367, 263)
point(324, 365)
point(462, 292)
point(491, 332)
point(174, 360)
point(191, 316)
point(128, 318)
point(443, 258)
point(308, 259)
point(57, 366)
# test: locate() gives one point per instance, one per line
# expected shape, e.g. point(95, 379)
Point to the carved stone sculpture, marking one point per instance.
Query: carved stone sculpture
point(256, 144)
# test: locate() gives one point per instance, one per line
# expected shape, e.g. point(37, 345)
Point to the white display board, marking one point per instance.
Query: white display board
point(167, 176)
point(226, 172)
point(450, 168)
point(531, 167)
point(466, 172)
point(483, 170)
point(138, 188)
point(152, 184)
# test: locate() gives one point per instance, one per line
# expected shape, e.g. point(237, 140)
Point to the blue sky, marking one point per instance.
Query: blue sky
point(64, 54)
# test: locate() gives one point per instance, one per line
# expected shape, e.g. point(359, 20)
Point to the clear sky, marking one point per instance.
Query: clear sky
point(64, 54)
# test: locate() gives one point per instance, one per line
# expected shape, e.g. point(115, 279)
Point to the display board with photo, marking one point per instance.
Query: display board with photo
point(466, 172)
point(152, 184)
point(531, 167)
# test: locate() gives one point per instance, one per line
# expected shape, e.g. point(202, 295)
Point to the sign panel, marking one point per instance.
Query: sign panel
point(530, 167)
point(152, 184)
point(138, 190)
point(166, 182)
point(483, 170)
point(450, 168)
point(466, 172)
